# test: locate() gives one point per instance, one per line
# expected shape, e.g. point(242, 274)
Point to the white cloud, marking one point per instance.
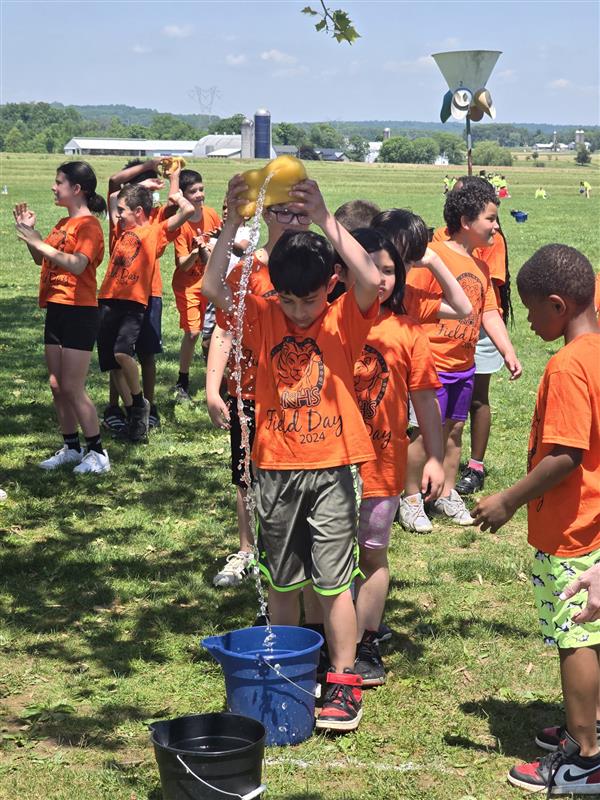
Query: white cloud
point(140, 49)
point(178, 31)
point(421, 64)
point(560, 83)
point(278, 57)
point(290, 72)
point(235, 59)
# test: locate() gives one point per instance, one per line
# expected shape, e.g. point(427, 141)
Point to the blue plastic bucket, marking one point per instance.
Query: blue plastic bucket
point(274, 685)
point(520, 216)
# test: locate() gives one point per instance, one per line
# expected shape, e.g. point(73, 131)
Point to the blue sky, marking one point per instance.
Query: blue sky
point(252, 54)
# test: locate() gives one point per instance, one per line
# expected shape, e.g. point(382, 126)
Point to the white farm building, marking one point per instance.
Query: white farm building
point(83, 146)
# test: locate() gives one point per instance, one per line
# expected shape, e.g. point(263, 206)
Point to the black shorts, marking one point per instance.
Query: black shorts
point(235, 437)
point(149, 341)
point(74, 327)
point(120, 324)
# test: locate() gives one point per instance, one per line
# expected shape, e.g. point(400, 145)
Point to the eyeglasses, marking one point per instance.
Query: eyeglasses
point(285, 216)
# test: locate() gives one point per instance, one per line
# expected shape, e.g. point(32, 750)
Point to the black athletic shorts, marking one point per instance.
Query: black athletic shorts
point(74, 327)
point(120, 325)
point(149, 341)
point(235, 438)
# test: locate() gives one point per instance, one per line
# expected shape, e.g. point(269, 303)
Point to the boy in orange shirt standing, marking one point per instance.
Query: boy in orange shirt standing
point(562, 492)
point(125, 292)
point(309, 431)
point(471, 218)
point(191, 254)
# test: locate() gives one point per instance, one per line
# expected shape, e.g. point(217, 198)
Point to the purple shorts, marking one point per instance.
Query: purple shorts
point(455, 395)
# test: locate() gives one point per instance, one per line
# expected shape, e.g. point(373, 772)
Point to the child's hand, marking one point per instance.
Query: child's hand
point(588, 581)
point(428, 261)
point(28, 234)
point(24, 215)
point(175, 198)
point(433, 480)
point(492, 512)
point(235, 198)
point(513, 365)
point(309, 200)
point(153, 184)
point(218, 412)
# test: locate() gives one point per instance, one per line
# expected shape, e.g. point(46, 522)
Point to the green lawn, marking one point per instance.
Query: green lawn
point(105, 586)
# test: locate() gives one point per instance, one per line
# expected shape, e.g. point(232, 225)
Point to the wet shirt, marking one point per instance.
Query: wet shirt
point(184, 244)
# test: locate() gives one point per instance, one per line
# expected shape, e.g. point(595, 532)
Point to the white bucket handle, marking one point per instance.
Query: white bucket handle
point(249, 796)
point(316, 693)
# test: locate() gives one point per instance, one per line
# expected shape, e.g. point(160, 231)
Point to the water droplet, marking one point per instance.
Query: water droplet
point(284, 706)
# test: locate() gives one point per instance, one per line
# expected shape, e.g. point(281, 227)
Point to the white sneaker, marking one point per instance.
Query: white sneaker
point(412, 515)
point(236, 568)
point(62, 457)
point(93, 462)
point(3, 496)
point(454, 508)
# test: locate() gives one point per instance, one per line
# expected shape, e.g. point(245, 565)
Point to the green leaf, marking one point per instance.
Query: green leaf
point(309, 10)
point(320, 25)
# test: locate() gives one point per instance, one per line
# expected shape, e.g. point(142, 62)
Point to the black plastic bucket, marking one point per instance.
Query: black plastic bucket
point(209, 756)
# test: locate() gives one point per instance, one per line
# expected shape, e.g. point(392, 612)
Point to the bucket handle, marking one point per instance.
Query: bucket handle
point(278, 672)
point(249, 796)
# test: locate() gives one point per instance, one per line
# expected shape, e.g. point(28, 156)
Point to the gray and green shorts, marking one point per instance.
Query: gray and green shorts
point(307, 528)
point(550, 575)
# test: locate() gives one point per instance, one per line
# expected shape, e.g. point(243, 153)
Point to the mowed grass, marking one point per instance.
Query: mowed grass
point(106, 585)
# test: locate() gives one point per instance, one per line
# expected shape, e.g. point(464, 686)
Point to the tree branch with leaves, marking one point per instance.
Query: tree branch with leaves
point(335, 23)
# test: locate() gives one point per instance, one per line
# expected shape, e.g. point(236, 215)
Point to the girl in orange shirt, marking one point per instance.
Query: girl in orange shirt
point(69, 257)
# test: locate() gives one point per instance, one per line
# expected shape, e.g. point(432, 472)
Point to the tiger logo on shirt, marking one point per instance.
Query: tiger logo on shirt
point(126, 250)
point(298, 369)
point(473, 288)
point(371, 376)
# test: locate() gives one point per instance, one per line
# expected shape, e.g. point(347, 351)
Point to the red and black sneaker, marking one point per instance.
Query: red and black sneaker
point(564, 772)
point(549, 738)
point(342, 706)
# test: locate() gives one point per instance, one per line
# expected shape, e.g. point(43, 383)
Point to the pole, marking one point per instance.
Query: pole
point(469, 154)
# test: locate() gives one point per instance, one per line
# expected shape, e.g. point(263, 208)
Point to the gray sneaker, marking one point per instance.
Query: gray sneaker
point(412, 516)
point(454, 508)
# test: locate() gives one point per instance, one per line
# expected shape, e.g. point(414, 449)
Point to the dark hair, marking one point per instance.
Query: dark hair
point(558, 269)
point(505, 288)
point(356, 214)
point(187, 178)
point(407, 232)
point(135, 195)
point(373, 240)
point(143, 176)
point(301, 262)
point(80, 173)
point(467, 201)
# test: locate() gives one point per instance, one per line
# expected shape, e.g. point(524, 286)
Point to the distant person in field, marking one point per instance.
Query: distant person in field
point(488, 360)
point(149, 342)
point(562, 493)
point(192, 250)
point(541, 193)
point(585, 188)
point(69, 258)
point(126, 290)
point(470, 213)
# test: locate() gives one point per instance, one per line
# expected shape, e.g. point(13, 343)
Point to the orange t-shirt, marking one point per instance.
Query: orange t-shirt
point(259, 283)
point(453, 340)
point(184, 244)
point(597, 295)
point(395, 360)
point(158, 214)
point(306, 411)
point(133, 261)
point(422, 304)
point(494, 256)
point(566, 520)
point(72, 235)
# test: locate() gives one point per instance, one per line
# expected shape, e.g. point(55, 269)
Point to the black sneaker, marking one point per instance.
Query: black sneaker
point(471, 480)
point(181, 395)
point(550, 738)
point(113, 419)
point(138, 423)
point(153, 417)
point(368, 662)
point(384, 634)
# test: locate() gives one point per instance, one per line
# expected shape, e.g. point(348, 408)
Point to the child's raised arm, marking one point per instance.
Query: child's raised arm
point(113, 201)
point(218, 356)
point(25, 218)
point(185, 210)
point(127, 174)
point(455, 303)
point(310, 202)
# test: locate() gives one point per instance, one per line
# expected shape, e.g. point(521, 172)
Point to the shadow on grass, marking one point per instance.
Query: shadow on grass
point(514, 724)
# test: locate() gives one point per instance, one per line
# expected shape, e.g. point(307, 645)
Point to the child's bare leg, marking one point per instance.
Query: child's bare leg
point(244, 523)
point(148, 365)
point(372, 591)
point(481, 417)
point(75, 367)
point(284, 607)
point(580, 676)
point(186, 352)
point(313, 612)
point(415, 462)
point(122, 387)
point(339, 618)
point(113, 391)
point(453, 429)
point(129, 372)
point(67, 419)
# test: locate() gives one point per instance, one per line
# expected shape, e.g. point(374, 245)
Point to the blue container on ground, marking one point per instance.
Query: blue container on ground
point(274, 685)
point(520, 216)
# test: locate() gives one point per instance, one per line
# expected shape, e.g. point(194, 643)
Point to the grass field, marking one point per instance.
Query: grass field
point(106, 586)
